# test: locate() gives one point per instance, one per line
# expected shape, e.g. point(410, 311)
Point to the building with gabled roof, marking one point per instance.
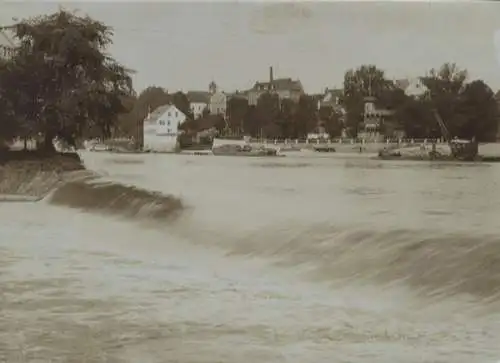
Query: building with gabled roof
point(286, 88)
point(411, 86)
point(161, 128)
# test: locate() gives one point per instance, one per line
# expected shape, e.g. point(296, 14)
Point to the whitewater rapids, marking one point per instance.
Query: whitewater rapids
point(330, 258)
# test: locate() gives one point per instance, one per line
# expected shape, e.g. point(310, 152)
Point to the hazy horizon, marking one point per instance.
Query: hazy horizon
point(185, 45)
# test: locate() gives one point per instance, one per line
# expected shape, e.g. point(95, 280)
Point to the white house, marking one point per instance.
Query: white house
point(161, 128)
point(411, 86)
point(7, 45)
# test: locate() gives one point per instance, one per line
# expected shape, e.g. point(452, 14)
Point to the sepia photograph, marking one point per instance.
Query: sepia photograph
point(249, 181)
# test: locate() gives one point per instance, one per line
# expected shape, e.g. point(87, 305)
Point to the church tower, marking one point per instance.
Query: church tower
point(212, 87)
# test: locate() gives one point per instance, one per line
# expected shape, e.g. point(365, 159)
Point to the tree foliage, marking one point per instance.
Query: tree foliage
point(181, 101)
point(237, 108)
point(61, 82)
point(478, 112)
point(468, 109)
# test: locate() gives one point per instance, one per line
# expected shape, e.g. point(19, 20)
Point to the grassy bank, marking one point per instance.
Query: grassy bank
point(35, 173)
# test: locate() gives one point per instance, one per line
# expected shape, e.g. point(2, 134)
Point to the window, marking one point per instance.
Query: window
point(176, 114)
point(168, 123)
point(162, 122)
point(169, 114)
point(169, 131)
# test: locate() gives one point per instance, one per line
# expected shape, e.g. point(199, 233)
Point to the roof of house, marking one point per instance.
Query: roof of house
point(411, 86)
point(331, 95)
point(402, 83)
point(158, 112)
point(280, 84)
point(332, 98)
point(198, 96)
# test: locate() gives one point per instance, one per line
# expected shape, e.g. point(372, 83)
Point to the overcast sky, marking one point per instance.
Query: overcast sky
point(184, 45)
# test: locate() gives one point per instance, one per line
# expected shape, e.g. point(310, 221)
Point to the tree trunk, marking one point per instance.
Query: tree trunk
point(48, 144)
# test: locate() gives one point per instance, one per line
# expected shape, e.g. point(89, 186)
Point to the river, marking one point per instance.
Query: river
point(301, 259)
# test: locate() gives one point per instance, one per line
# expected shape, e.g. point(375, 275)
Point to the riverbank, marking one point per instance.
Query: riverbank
point(26, 175)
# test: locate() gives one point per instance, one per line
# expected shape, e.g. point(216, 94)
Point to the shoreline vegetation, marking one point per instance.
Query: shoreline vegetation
point(57, 82)
point(80, 92)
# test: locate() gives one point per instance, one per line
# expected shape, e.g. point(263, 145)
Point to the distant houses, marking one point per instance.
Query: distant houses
point(331, 98)
point(213, 101)
point(211, 112)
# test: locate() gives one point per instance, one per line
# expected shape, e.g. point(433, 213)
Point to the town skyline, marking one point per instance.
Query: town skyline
point(185, 46)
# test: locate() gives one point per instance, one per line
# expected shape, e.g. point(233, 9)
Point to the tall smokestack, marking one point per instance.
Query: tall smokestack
point(271, 79)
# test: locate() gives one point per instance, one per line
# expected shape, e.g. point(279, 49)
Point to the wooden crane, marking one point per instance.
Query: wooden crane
point(465, 150)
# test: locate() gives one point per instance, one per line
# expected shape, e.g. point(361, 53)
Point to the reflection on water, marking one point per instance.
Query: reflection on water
point(345, 260)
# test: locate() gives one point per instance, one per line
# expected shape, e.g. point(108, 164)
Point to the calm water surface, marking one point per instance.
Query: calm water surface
point(296, 259)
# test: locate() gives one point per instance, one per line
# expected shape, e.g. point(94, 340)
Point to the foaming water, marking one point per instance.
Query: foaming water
point(313, 259)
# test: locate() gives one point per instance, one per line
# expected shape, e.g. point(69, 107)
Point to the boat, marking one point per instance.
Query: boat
point(463, 150)
point(95, 145)
point(324, 148)
point(245, 150)
point(99, 147)
point(241, 147)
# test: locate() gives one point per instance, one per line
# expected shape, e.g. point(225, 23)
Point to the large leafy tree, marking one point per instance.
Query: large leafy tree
point(286, 120)
point(444, 87)
point(61, 81)
point(477, 112)
point(416, 118)
point(305, 119)
point(181, 101)
point(237, 108)
point(267, 113)
point(251, 124)
point(469, 110)
point(131, 123)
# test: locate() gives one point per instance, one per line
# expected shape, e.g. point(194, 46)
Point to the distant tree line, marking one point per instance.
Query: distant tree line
point(469, 109)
